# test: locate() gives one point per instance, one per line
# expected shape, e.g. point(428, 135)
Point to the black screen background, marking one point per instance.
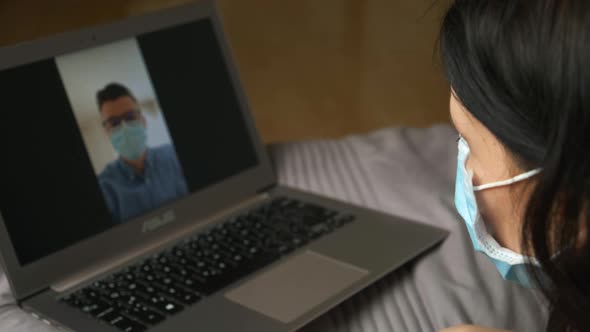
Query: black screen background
point(49, 195)
point(193, 85)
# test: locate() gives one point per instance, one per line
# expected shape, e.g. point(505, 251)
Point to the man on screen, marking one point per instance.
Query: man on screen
point(142, 178)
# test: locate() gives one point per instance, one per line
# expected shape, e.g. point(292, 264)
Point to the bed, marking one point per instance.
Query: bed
point(406, 172)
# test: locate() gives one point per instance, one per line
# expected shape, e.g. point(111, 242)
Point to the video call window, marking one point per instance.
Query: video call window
point(105, 136)
point(123, 128)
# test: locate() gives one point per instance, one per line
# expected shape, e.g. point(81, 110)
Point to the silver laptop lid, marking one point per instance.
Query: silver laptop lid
point(116, 136)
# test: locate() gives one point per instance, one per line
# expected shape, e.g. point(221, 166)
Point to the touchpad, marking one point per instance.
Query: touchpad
point(296, 286)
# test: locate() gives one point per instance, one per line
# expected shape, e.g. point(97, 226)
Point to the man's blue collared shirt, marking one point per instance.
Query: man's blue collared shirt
point(129, 194)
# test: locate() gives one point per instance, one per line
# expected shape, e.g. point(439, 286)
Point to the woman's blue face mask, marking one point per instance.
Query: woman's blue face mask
point(511, 265)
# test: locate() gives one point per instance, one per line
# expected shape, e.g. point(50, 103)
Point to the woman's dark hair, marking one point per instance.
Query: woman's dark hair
point(522, 68)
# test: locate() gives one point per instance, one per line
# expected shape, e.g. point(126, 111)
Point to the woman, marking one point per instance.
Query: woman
point(520, 77)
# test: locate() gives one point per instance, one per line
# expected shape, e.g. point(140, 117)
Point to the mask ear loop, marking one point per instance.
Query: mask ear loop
point(515, 179)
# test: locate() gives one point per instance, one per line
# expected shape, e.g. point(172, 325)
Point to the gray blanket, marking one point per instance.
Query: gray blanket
point(410, 173)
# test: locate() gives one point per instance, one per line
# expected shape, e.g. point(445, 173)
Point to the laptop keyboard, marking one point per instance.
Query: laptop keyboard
point(146, 293)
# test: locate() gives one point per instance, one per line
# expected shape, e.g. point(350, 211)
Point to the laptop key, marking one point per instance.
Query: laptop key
point(90, 293)
point(180, 295)
point(199, 287)
point(144, 314)
point(127, 325)
point(95, 307)
point(145, 288)
point(108, 314)
point(164, 305)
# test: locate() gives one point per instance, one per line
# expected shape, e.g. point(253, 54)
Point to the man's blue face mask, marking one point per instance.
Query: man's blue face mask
point(129, 139)
point(511, 265)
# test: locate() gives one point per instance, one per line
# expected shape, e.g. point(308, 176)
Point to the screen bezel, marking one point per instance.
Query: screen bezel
point(40, 274)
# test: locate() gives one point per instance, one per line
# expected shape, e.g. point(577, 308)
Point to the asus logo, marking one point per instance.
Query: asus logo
point(158, 221)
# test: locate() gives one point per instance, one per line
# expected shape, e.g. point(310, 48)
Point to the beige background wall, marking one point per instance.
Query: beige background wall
point(310, 68)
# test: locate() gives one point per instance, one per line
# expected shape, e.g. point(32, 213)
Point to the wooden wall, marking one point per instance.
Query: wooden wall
point(311, 68)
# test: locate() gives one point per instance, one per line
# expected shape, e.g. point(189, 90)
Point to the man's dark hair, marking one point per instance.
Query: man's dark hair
point(111, 92)
point(521, 68)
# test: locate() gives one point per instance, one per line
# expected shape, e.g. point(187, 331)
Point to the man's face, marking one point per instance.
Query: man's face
point(114, 112)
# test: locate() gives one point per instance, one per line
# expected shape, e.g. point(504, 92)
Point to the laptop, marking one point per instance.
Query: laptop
point(135, 193)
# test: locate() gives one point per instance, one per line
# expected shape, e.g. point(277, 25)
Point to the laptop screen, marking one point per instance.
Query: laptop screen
point(102, 136)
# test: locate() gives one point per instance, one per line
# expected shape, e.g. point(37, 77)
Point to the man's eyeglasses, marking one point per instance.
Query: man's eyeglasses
point(116, 121)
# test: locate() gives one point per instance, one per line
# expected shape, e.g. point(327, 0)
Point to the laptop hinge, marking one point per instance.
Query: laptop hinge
point(115, 263)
